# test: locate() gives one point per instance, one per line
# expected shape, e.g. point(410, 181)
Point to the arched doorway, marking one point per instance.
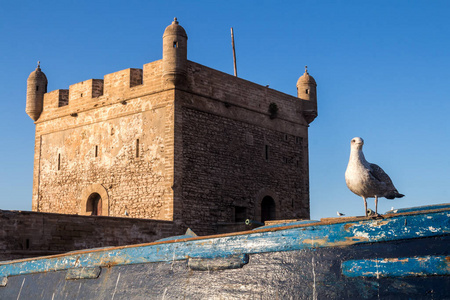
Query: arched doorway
point(92, 196)
point(267, 209)
point(94, 205)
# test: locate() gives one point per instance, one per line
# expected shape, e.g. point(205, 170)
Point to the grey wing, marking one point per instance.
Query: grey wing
point(380, 175)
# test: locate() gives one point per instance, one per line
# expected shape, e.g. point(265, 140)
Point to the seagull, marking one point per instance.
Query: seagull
point(340, 214)
point(365, 179)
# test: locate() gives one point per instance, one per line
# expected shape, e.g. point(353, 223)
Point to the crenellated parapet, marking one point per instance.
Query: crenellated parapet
point(92, 88)
point(120, 82)
point(55, 99)
point(114, 87)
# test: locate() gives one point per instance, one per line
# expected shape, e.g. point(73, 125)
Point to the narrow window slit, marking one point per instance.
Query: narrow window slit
point(175, 44)
point(137, 148)
point(59, 161)
point(267, 152)
point(96, 151)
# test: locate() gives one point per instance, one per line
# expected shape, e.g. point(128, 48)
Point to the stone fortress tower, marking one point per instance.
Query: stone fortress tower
point(174, 141)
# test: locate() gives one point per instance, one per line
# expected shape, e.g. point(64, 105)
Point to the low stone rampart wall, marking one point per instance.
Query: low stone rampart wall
point(29, 234)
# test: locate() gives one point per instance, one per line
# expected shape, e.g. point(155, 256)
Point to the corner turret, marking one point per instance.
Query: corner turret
point(36, 88)
point(175, 53)
point(306, 90)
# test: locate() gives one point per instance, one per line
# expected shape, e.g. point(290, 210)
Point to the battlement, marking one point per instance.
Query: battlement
point(119, 82)
point(92, 88)
point(113, 87)
point(57, 98)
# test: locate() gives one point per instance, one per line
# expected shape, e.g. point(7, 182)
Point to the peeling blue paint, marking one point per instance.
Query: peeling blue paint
point(397, 267)
point(293, 237)
point(419, 208)
point(303, 222)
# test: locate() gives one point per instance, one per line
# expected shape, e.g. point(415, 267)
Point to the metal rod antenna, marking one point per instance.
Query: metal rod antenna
point(234, 52)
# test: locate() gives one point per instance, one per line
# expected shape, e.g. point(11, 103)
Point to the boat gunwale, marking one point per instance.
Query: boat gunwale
point(322, 222)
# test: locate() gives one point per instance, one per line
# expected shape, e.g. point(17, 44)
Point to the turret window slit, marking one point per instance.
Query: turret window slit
point(175, 44)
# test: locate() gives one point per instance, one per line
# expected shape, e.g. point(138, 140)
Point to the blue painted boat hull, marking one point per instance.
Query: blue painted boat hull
point(403, 256)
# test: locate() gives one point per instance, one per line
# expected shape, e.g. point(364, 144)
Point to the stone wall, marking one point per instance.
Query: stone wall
point(230, 163)
point(28, 234)
point(236, 92)
point(115, 134)
point(231, 152)
point(125, 155)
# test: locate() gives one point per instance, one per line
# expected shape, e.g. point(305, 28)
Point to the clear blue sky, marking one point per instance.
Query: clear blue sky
point(382, 69)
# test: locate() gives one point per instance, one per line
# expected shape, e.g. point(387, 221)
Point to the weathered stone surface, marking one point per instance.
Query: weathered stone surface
point(28, 234)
